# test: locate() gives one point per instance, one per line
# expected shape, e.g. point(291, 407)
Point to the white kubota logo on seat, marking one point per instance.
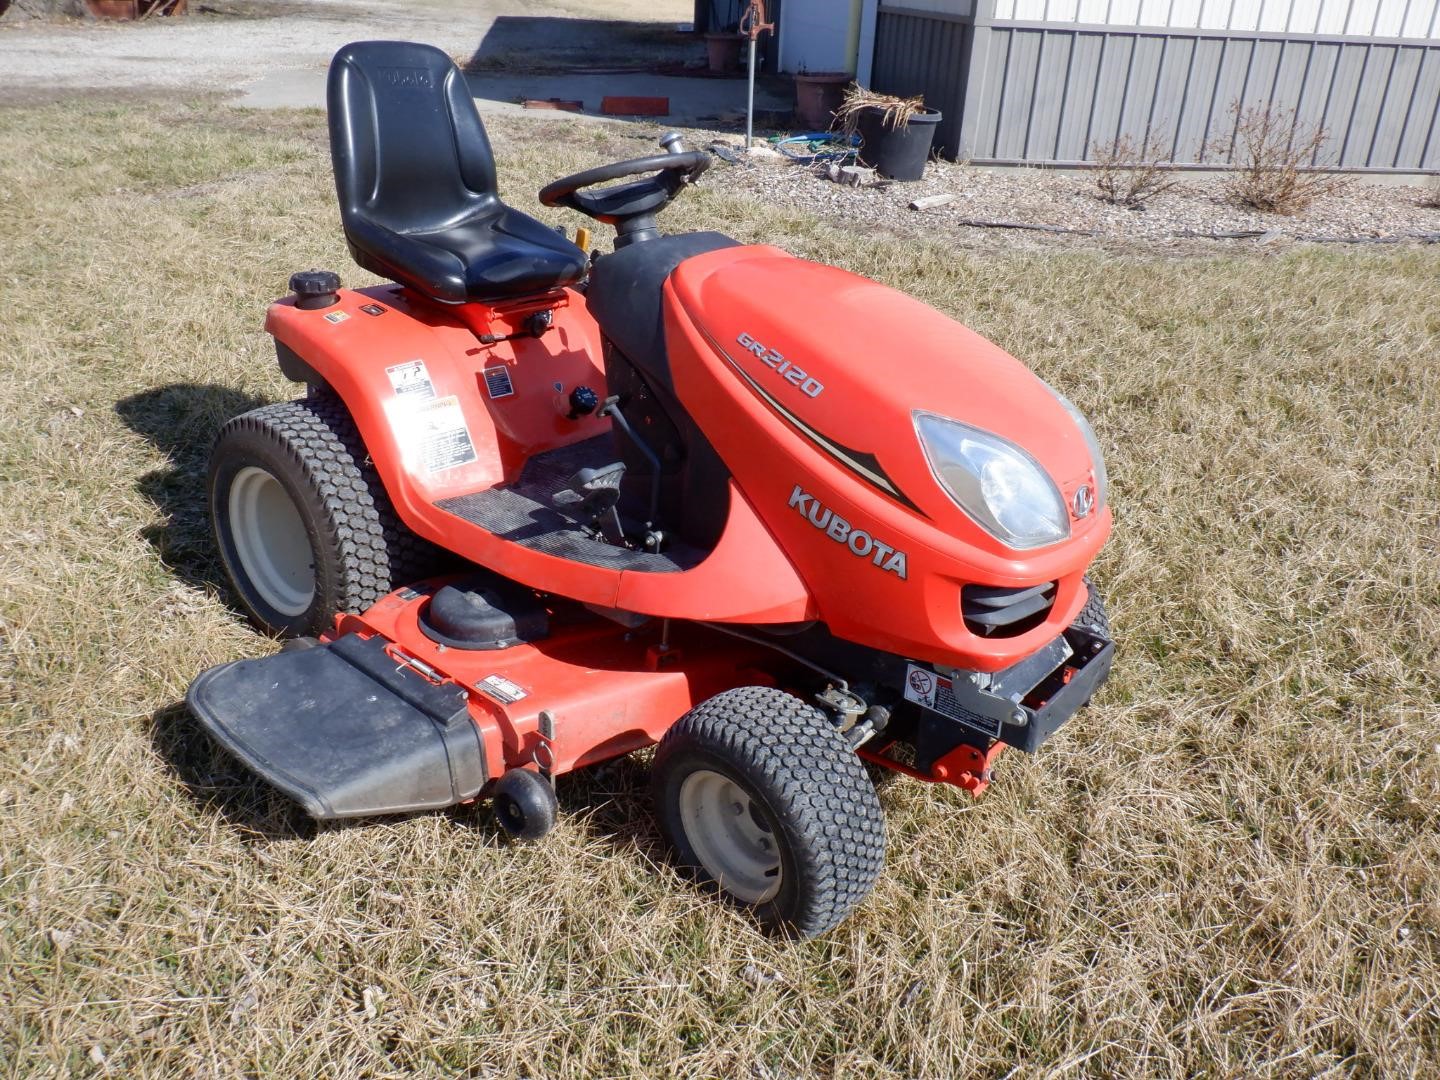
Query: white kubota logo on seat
point(860, 542)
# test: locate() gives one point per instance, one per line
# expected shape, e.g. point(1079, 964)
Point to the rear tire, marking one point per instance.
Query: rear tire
point(303, 524)
point(763, 800)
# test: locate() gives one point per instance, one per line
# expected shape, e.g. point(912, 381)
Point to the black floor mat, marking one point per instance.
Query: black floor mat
point(527, 514)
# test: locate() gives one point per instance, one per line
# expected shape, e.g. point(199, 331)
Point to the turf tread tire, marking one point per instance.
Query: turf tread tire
point(828, 817)
point(362, 550)
point(1094, 616)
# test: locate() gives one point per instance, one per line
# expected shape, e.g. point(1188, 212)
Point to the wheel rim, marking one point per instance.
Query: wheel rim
point(271, 542)
point(730, 836)
point(509, 813)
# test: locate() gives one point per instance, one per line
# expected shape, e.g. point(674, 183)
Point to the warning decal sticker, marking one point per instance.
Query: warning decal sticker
point(497, 381)
point(441, 438)
point(501, 689)
point(936, 692)
point(411, 381)
point(336, 317)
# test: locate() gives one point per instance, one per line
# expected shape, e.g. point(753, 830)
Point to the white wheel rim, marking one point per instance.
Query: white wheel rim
point(729, 836)
point(271, 542)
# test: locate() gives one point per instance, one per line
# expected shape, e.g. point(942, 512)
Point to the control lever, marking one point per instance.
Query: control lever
point(612, 408)
point(536, 325)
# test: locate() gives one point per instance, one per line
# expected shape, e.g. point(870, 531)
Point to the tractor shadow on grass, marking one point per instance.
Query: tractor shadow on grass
point(221, 785)
point(610, 802)
point(181, 421)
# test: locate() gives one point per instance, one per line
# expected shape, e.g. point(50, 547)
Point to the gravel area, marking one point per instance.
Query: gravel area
point(1362, 210)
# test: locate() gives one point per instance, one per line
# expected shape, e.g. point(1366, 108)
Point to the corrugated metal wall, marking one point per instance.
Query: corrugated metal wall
point(921, 53)
point(1022, 90)
point(1358, 18)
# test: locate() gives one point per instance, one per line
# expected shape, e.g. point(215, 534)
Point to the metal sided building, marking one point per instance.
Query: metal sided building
point(1053, 81)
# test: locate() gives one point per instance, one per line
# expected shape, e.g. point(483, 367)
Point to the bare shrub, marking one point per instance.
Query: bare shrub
point(1430, 197)
point(1127, 174)
point(1274, 155)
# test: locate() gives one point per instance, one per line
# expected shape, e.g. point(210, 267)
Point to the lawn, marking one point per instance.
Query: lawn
point(1228, 866)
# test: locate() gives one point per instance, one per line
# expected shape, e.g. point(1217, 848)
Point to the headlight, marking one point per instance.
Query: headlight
point(1001, 487)
point(1096, 457)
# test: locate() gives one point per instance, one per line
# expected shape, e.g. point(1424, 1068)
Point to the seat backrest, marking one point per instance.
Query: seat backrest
point(409, 150)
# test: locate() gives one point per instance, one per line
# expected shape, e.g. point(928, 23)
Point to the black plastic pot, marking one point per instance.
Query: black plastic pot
point(897, 153)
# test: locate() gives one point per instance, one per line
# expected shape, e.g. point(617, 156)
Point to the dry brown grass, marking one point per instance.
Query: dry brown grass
point(1276, 157)
point(1228, 866)
point(1130, 174)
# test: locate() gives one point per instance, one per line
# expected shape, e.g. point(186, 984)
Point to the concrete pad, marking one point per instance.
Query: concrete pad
point(691, 100)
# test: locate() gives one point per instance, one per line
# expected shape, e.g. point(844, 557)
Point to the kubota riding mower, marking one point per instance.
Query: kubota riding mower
point(537, 511)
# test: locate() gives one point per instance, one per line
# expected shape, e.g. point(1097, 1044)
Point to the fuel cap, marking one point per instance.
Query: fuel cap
point(314, 288)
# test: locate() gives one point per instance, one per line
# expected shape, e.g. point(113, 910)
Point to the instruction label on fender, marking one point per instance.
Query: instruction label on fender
point(411, 381)
point(497, 382)
point(501, 689)
point(439, 435)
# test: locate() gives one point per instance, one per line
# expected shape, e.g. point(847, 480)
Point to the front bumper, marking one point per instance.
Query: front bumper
point(1021, 706)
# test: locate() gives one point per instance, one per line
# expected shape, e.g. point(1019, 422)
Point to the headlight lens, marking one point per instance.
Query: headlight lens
point(1102, 482)
point(1001, 487)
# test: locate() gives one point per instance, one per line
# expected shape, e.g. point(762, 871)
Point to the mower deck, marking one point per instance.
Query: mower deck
point(385, 719)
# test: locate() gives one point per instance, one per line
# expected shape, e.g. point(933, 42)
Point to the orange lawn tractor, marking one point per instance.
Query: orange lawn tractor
point(537, 510)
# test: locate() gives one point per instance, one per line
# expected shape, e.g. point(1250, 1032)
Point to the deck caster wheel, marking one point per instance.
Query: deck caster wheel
point(765, 802)
point(525, 804)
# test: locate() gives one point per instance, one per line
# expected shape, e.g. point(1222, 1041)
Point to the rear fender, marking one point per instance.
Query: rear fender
point(440, 413)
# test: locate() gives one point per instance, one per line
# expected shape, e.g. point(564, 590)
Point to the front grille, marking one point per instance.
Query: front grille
point(994, 612)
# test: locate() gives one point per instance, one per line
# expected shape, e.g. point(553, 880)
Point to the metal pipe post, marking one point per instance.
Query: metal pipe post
point(750, 99)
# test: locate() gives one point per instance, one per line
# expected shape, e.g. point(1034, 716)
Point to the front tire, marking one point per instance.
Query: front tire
point(763, 800)
point(1094, 616)
point(303, 524)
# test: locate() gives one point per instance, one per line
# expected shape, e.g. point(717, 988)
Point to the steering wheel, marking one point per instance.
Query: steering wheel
point(632, 207)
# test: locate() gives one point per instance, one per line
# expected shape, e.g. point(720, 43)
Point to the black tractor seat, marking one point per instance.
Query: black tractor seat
point(416, 180)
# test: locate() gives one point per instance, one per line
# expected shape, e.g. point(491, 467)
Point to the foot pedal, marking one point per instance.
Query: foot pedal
point(597, 491)
point(597, 488)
